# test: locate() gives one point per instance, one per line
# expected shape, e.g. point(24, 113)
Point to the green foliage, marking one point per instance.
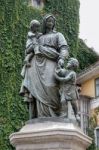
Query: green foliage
point(15, 17)
point(14, 21)
point(92, 126)
point(86, 55)
point(91, 133)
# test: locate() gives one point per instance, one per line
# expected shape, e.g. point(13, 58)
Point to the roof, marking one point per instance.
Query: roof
point(88, 73)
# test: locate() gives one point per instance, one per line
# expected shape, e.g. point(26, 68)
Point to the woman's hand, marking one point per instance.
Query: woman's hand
point(61, 62)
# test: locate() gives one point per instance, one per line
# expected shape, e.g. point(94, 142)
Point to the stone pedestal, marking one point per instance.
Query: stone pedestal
point(50, 134)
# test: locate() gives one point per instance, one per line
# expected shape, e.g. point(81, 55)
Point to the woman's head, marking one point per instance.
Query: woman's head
point(48, 22)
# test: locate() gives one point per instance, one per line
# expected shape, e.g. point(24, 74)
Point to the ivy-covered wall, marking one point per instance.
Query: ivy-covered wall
point(14, 20)
point(86, 55)
point(15, 17)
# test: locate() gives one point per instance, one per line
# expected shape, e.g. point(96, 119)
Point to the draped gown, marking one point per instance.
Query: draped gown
point(39, 81)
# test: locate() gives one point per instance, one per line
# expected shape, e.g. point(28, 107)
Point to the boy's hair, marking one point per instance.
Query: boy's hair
point(33, 23)
point(74, 62)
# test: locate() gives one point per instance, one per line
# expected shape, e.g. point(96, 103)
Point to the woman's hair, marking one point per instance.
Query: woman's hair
point(44, 22)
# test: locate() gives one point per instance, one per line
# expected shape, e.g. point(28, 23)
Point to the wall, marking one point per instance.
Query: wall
point(88, 87)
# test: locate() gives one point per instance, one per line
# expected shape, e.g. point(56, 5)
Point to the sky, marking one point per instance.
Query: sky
point(89, 23)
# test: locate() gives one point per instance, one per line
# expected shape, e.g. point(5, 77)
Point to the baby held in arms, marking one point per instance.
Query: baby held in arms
point(32, 41)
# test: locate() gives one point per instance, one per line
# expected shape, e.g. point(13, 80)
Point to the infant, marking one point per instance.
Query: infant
point(32, 46)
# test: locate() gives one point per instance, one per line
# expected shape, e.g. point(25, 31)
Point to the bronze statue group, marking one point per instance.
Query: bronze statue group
point(48, 81)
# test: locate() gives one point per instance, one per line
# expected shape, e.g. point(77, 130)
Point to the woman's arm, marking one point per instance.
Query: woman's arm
point(63, 52)
point(49, 52)
point(63, 47)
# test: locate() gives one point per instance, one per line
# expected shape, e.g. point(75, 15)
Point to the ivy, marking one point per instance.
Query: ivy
point(14, 21)
point(15, 16)
point(86, 55)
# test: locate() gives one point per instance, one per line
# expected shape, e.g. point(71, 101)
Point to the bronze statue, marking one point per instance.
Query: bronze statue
point(68, 90)
point(32, 41)
point(31, 44)
point(40, 87)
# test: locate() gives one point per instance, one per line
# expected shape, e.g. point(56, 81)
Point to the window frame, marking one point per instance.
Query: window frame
point(96, 87)
point(96, 136)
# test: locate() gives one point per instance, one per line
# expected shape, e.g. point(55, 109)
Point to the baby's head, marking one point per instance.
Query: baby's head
point(34, 26)
point(72, 63)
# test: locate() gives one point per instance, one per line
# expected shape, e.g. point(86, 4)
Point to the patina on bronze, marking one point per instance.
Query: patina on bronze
point(68, 90)
point(44, 51)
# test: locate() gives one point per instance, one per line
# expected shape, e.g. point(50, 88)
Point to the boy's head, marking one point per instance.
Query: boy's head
point(34, 25)
point(73, 63)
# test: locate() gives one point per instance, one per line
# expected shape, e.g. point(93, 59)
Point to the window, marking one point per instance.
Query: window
point(97, 87)
point(97, 136)
point(84, 104)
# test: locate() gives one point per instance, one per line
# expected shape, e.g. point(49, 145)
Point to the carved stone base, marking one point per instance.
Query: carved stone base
point(50, 134)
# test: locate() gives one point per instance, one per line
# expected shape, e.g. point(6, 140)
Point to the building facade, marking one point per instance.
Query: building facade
point(88, 80)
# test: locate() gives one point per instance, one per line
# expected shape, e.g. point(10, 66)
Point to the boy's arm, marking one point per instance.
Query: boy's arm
point(70, 76)
point(66, 78)
point(57, 71)
point(57, 76)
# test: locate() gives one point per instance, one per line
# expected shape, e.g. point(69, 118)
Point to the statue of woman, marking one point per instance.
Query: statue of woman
point(39, 85)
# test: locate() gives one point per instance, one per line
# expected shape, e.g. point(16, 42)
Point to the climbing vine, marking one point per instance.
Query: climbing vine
point(15, 16)
point(14, 21)
point(85, 55)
